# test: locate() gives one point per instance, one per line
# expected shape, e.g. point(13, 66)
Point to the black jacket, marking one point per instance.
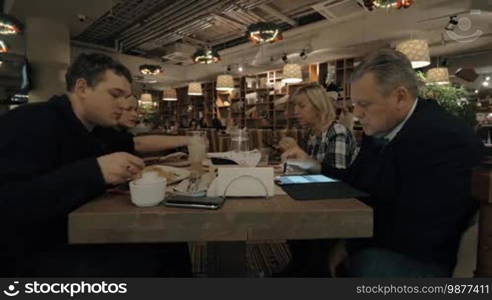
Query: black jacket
point(115, 139)
point(48, 168)
point(420, 184)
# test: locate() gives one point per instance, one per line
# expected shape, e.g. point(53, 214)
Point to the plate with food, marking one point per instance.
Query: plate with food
point(171, 174)
point(177, 159)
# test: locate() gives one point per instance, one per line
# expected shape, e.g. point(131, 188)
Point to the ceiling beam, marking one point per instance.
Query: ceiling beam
point(195, 41)
point(276, 13)
point(230, 20)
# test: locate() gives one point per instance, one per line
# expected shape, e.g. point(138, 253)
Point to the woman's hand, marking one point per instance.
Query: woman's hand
point(287, 143)
point(299, 158)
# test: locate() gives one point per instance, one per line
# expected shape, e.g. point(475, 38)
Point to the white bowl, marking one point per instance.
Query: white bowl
point(147, 194)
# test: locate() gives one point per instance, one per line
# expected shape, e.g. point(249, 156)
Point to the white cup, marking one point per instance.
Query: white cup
point(147, 193)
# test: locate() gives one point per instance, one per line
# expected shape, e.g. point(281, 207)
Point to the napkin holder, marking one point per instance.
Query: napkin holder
point(243, 182)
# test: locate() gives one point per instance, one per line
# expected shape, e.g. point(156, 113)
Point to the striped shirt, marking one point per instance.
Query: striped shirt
point(336, 147)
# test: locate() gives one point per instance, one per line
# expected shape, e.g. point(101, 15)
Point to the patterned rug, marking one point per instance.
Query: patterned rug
point(263, 258)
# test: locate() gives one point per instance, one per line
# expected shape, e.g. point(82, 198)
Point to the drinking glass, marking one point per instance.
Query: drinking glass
point(239, 140)
point(197, 149)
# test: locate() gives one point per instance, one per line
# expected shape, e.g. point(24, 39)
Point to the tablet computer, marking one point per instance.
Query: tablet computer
point(303, 179)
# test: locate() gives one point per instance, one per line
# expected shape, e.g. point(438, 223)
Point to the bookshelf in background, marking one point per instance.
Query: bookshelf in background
point(183, 111)
point(209, 96)
point(237, 103)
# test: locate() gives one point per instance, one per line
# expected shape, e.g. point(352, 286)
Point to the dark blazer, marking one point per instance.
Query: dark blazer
point(115, 139)
point(48, 167)
point(420, 184)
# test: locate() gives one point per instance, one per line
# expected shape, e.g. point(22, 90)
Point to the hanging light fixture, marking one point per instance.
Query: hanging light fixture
point(206, 56)
point(150, 69)
point(169, 95)
point(371, 4)
point(438, 76)
point(225, 83)
point(292, 73)
point(146, 98)
point(417, 51)
point(3, 47)
point(9, 25)
point(260, 33)
point(195, 89)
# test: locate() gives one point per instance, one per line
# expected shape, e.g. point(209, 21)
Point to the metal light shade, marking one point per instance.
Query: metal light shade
point(292, 73)
point(417, 52)
point(225, 83)
point(146, 97)
point(195, 89)
point(169, 95)
point(438, 76)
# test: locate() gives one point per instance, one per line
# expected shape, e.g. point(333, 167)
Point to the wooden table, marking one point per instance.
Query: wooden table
point(113, 219)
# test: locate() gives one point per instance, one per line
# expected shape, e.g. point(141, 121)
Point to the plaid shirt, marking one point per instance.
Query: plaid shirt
point(336, 147)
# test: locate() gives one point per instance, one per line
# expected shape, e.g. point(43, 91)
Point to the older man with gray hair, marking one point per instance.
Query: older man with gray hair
point(416, 162)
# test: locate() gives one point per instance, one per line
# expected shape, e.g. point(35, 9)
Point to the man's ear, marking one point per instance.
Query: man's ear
point(80, 88)
point(402, 95)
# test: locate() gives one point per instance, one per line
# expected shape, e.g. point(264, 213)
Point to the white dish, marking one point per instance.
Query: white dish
point(147, 194)
point(180, 173)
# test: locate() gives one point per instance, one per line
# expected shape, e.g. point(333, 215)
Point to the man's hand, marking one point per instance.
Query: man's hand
point(120, 167)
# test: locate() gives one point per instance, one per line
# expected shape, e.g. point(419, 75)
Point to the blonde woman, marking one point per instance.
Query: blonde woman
point(329, 142)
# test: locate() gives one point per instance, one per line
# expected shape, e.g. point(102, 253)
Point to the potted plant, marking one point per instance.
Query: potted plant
point(454, 99)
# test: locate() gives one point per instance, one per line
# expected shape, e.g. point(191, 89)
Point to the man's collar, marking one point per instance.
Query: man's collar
point(391, 135)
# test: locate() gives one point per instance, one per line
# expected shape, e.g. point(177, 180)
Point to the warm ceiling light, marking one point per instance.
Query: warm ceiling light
point(371, 4)
point(485, 83)
point(292, 73)
point(262, 32)
point(417, 51)
point(146, 97)
point(195, 89)
point(438, 76)
point(3, 47)
point(150, 69)
point(225, 83)
point(9, 25)
point(206, 56)
point(169, 95)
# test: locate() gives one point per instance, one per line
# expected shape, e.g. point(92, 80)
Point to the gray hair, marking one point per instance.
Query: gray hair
point(391, 69)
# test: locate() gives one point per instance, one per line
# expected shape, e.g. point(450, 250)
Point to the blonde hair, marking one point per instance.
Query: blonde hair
point(319, 99)
point(128, 99)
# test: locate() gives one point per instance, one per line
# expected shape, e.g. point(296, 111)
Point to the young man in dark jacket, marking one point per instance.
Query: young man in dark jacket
point(52, 164)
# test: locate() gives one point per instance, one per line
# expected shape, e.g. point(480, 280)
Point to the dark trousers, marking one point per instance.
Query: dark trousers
point(309, 258)
point(383, 263)
point(114, 260)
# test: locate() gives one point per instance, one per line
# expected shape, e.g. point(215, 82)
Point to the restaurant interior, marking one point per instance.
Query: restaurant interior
point(223, 72)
